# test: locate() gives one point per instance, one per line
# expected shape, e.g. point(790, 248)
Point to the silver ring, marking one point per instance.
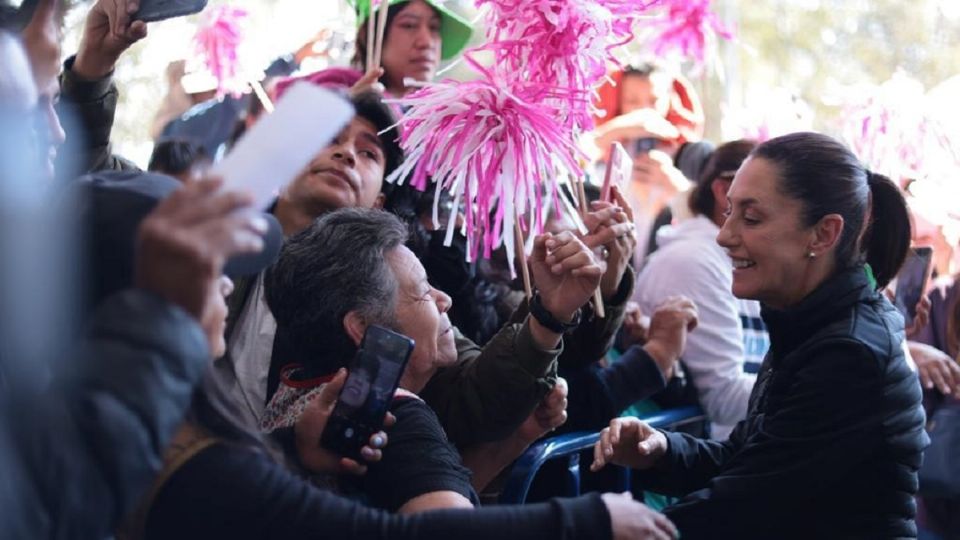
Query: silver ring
point(604, 252)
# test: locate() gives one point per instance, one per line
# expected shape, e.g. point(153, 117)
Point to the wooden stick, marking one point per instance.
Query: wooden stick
point(524, 269)
point(597, 296)
point(370, 37)
point(381, 29)
point(262, 96)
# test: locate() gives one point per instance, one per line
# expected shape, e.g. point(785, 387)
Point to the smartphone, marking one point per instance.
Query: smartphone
point(912, 282)
point(366, 395)
point(158, 10)
point(642, 146)
point(619, 171)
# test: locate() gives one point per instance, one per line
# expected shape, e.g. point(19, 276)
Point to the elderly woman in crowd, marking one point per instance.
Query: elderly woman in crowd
point(834, 431)
point(350, 270)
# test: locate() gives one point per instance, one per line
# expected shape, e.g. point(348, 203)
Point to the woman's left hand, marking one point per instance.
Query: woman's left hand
point(611, 230)
point(309, 428)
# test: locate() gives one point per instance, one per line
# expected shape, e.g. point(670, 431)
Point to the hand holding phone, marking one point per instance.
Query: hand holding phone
point(366, 395)
point(313, 420)
point(912, 282)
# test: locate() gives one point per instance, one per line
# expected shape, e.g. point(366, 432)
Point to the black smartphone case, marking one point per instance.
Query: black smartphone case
point(158, 10)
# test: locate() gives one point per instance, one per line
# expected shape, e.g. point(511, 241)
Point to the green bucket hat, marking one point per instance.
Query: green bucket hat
point(455, 31)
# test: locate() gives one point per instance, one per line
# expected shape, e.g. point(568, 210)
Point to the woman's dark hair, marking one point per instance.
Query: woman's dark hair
point(827, 178)
point(723, 163)
point(335, 266)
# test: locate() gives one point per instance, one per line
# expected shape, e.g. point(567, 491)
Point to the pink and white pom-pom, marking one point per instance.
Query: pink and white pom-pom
point(496, 150)
point(891, 128)
point(689, 28)
point(569, 43)
point(217, 41)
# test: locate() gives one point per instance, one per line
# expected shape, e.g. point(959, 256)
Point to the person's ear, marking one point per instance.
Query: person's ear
point(379, 202)
point(720, 187)
point(354, 326)
point(826, 234)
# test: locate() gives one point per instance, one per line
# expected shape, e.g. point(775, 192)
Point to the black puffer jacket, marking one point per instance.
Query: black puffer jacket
point(834, 435)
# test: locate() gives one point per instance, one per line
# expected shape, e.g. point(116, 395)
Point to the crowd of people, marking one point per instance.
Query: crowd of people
point(170, 366)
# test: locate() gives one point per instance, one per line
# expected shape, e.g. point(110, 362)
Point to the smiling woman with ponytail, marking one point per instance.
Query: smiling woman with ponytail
point(834, 433)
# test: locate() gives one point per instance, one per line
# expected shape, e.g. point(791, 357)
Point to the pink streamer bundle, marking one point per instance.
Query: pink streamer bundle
point(566, 43)
point(893, 131)
point(491, 148)
point(217, 41)
point(500, 143)
point(686, 29)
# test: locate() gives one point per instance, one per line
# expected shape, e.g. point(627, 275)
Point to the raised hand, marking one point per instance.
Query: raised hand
point(611, 230)
point(183, 244)
point(108, 32)
point(565, 273)
point(667, 334)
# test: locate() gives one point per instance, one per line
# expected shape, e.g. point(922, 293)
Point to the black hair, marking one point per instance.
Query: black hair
point(176, 156)
point(335, 266)
point(643, 69)
point(369, 105)
point(827, 178)
point(724, 161)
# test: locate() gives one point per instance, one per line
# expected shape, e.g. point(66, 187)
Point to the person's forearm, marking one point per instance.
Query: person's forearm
point(487, 460)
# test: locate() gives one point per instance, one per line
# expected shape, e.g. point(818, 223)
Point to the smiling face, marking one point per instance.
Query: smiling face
point(412, 45)
point(421, 314)
point(346, 174)
point(766, 239)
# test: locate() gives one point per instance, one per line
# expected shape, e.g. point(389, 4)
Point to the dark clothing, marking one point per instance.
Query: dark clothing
point(211, 124)
point(88, 109)
point(208, 124)
point(833, 438)
point(490, 391)
point(418, 460)
point(77, 459)
point(598, 392)
point(234, 492)
point(942, 299)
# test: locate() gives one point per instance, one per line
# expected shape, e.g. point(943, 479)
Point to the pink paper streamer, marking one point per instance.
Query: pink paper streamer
point(505, 146)
point(217, 41)
point(563, 42)
point(686, 28)
point(894, 132)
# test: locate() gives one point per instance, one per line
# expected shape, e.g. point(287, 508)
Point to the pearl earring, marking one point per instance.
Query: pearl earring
point(811, 255)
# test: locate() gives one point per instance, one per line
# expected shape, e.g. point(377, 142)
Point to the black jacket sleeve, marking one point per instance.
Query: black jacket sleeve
point(232, 492)
point(825, 422)
point(92, 446)
point(88, 109)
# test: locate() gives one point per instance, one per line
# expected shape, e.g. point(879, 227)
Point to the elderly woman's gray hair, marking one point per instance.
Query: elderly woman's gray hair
point(335, 266)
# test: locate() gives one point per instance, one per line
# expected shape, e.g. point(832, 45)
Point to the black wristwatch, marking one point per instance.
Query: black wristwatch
point(547, 319)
